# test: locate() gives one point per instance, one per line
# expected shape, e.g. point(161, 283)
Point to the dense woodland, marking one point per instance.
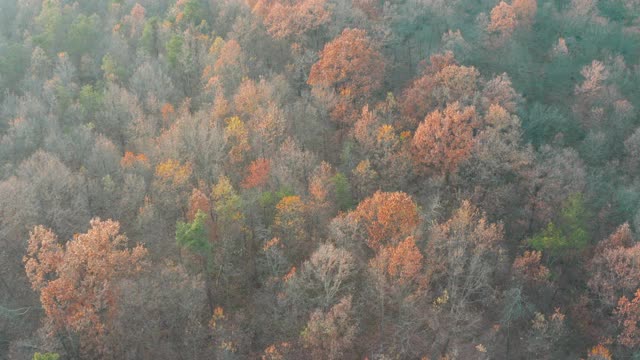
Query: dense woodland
point(319, 179)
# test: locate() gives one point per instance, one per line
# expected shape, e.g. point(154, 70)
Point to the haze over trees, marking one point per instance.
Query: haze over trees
point(324, 179)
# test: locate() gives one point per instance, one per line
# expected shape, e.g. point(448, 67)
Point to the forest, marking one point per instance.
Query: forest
point(319, 179)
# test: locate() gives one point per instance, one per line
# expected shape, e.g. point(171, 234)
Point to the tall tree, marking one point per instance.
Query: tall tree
point(330, 334)
point(442, 81)
point(293, 18)
point(465, 258)
point(387, 218)
point(615, 267)
point(351, 68)
point(78, 282)
point(444, 139)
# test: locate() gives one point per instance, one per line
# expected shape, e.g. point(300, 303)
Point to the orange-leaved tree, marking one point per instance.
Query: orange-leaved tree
point(78, 281)
point(628, 315)
point(352, 68)
point(444, 139)
point(388, 217)
point(615, 266)
point(257, 173)
point(442, 81)
point(293, 17)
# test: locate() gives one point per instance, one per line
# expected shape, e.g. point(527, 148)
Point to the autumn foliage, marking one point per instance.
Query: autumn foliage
point(444, 139)
point(614, 266)
point(387, 218)
point(503, 19)
point(442, 81)
point(293, 18)
point(351, 67)
point(402, 262)
point(528, 268)
point(257, 173)
point(78, 281)
point(171, 171)
point(130, 160)
point(319, 179)
point(628, 315)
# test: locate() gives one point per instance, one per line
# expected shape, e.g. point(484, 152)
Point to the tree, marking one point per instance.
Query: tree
point(442, 82)
point(465, 257)
point(503, 20)
point(322, 204)
point(528, 270)
point(595, 75)
point(628, 315)
point(229, 66)
point(46, 356)
point(364, 179)
point(83, 35)
point(556, 176)
point(330, 334)
point(118, 113)
point(365, 127)
point(444, 139)
point(149, 41)
point(257, 173)
point(292, 166)
point(187, 56)
point(401, 263)
point(543, 124)
point(342, 189)
point(496, 173)
point(58, 195)
point(546, 335)
point(150, 83)
point(249, 97)
point(499, 91)
point(594, 93)
point(196, 140)
point(174, 47)
point(90, 99)
point(351, 67)
point(52, 22)
point(237, 134)
point(615, 267)
point(570, 234)
point(235, 250)
point(397, 298)
point(323, 279)
point(294, 18)
point(228, 208)
point(269, 126)
point(632, 150)
point(102, 175)
point(387, 218)
point(290, 225)
point(599, 352)
point(113, 69)
point(413, 101)
point(525, 11)
point(190, 12)
point(13, 65)
point(171, 183)
point(78, 281)
point(160, 315)
point(17, 214)
point(172, 173)
point(193, 235)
